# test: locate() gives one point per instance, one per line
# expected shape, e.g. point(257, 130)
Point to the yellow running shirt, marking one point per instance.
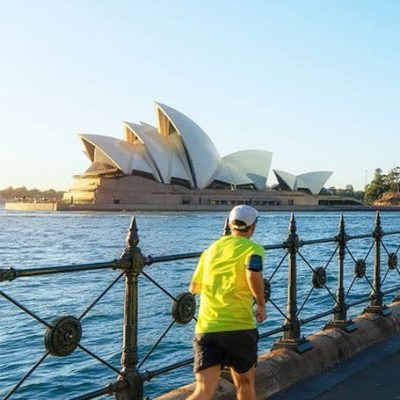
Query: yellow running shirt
point(226, 302)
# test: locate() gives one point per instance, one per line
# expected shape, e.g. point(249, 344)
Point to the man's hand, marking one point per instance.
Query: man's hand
point(261, 313)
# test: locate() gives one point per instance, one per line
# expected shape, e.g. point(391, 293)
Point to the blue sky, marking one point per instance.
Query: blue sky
point(315, 82)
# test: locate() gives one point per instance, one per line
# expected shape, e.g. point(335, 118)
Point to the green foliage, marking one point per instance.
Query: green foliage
point(382, 183)
point(30, 194)
point(347, 192)
point(393, 180)
point(359, 195)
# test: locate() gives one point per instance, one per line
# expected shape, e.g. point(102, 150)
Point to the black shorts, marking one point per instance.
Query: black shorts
point(235, 349)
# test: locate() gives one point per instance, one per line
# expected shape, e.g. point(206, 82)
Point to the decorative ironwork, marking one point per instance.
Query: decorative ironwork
point(319, 278)
point(291, 335)
point(133, 261)
point(360, 268)
point(184, 308)
point(392, 260)
point(63, 337)
point(340, 319)
point(7, 274)
point(377, 306)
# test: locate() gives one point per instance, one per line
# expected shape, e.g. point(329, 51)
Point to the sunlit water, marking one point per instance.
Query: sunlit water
point(39, 239)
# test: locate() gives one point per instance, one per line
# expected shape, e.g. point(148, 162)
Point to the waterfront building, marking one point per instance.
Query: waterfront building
point(175, 165)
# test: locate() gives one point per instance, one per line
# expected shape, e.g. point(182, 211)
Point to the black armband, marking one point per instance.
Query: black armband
point(255, 263)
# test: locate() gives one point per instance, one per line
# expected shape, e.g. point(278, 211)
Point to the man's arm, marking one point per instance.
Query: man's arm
point(256, 285)
point(197, 278)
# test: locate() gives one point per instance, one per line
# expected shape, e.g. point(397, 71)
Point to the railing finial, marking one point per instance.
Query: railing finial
point(227, 229)
point(292, 224)
point(342, 237)
point(132, 238)
point(378, 231)
point(341, 224)
point(378, 220)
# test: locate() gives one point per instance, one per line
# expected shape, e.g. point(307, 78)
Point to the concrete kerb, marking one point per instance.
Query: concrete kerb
point(281, 368)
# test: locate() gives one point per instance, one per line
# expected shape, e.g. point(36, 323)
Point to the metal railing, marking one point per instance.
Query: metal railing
point(63, 334)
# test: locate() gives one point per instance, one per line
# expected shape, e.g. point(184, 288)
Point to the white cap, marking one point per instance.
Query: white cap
point(243, 216)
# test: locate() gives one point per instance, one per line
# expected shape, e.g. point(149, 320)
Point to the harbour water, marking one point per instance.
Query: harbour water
point(40, 239)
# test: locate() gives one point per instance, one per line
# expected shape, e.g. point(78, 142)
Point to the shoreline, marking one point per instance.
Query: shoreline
point(58, 206)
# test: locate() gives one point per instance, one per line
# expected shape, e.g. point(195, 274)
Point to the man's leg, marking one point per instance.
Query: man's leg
point(245, 384)
point(206, 383)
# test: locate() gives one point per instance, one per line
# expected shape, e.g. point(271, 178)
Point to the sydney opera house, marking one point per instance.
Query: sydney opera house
point(176, 166)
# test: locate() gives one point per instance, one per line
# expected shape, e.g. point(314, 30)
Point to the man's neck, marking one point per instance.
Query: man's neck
point(242, 233)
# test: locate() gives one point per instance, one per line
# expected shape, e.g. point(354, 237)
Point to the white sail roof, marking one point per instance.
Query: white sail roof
point(201, 152)
point(164, 151)
point(177, 149)
point(125, 156)
point(156, 146)
point(313, 181)
point(231, 174)
point(287, 178)
point(255, 164)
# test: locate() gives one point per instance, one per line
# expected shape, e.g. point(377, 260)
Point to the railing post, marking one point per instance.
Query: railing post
point(377, 305)
point(291, 336)
point(340, 316)
point(227, 229)
point(133, 260)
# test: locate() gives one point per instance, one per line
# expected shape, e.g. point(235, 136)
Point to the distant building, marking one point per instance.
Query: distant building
point(175, 165)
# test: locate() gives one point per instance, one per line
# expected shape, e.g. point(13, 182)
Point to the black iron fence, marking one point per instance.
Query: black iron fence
point(380, 250)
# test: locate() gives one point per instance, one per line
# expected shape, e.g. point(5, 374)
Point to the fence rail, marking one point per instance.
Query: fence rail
point(63, 334)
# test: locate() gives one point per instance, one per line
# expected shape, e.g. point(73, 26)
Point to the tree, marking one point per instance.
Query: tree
point(378, 186)
point(24, 193)
point(359, 194)
point(381, 183)
point(350, 188)
point(393, 180)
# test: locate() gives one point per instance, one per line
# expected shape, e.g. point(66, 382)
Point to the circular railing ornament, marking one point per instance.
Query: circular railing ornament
point(359, 268)
point(184, 308)
point(392, 260)
point(267, 290)
point(64, 336)
point(319, 278)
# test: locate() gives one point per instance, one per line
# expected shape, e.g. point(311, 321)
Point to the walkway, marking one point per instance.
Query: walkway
point(373, 374)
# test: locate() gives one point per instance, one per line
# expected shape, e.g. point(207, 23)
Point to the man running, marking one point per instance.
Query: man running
point(228, 279)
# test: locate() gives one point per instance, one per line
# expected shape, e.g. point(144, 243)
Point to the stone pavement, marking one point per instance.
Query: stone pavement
point(379, 381)
point(373, 374)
